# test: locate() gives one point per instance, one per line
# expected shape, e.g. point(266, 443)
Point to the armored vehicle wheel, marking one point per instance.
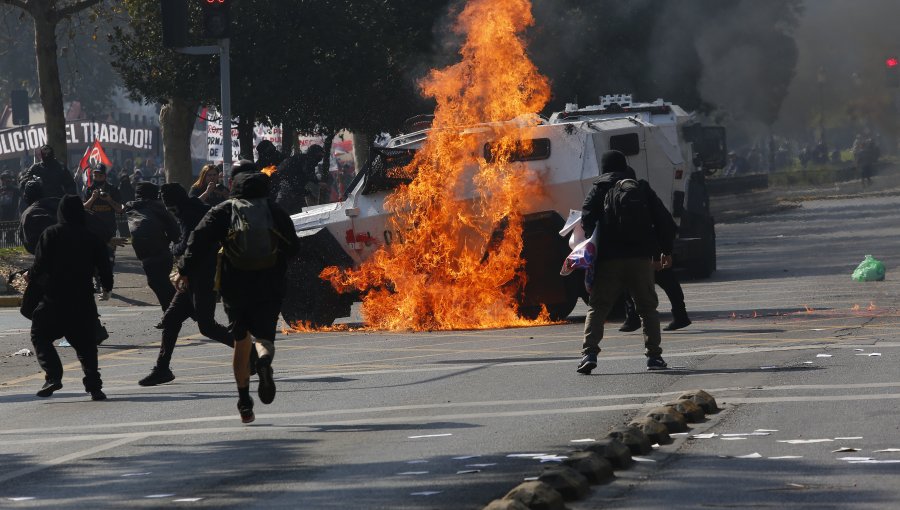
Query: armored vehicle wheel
point(309, 299)
point(544, 251)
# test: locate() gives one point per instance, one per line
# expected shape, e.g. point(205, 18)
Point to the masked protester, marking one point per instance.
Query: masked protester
point(198, 303)
point(104, 202)
point(298, 185)
point(256, 251)
point(55, 179)
point(152, 229)
point(65, 260)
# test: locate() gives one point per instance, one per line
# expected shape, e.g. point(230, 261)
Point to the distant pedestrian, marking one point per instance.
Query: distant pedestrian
point(636, 231)
point(152, 229)
point(55, 179)
point(10, 195)
point(258, 239)
point(199, 302)
point(65, 260)
point(208, 187)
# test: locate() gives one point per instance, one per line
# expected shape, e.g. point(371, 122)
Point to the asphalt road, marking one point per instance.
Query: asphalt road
point(367, 419)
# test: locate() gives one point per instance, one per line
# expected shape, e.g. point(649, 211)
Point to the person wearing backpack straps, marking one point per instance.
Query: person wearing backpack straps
point(258, 240)
point(636, 235)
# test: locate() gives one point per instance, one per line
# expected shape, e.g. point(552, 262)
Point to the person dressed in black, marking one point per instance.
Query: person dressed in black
point(296, 180)
point(104, 202)
point(39, 214)
point(199, 303)
point(668, 282)
point(10, 194)
point(65, 260)
point(152, 229)
point(55, 179)
point(251, 293)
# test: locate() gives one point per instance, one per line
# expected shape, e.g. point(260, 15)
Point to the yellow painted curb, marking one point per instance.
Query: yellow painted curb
point(10, 301)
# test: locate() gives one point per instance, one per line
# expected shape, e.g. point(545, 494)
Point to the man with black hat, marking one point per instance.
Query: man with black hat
point(256, 251)
point(636, 237)
point(199, 303)
point(55, 179)
point(65, 260)
point(152, 229)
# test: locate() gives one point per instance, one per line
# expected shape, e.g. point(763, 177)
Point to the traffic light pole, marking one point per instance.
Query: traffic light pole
point(223, 49)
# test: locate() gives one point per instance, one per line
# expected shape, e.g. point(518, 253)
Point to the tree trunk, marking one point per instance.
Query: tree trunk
point(48, 78)
point(176, 121)
point(245, 135)
point(361, 146)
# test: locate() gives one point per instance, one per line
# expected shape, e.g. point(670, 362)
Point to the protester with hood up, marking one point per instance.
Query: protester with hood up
point(152, 229)
point(199, 302)
point(55, 179)
point(626, 257)
point(252, 286)
point(298, 185)
point(65, 260)
point(39, 214)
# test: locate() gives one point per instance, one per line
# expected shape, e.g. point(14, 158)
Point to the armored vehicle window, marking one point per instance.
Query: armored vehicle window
point(537, 149)
point(628, 144)
point(387, 169)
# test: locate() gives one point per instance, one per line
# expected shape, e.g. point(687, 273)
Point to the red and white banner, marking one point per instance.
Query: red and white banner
point(93, 156)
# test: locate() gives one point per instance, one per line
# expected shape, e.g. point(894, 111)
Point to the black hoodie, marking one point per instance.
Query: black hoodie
point(609, 246)
point(66, 258)
point(237, 285)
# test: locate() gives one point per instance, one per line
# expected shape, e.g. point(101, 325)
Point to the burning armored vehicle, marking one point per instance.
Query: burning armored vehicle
point(662, 143)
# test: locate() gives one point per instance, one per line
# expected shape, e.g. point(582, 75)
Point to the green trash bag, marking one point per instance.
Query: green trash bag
point(869, 270)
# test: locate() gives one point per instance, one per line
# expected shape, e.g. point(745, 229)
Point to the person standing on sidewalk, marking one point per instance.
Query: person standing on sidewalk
point(636, 237)
point(257, 239)
point(199, 303)
point(65, 260)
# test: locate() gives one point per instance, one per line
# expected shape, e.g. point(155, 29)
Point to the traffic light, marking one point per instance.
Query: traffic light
point(215, 18)
point(174, 23)
point(892, 72)
point(19, 103)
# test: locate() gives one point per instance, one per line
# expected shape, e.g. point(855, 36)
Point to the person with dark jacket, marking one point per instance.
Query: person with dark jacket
point(152, 229)
point(296, 176)
point(626, 260)
point(55, 179)
point(64, 263)
point(199, 303)
point(39, 214)
point(252, 297)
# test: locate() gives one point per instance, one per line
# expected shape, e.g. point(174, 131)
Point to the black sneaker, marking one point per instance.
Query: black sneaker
point(678, 324)
point(656, 363)
point(157, 376)
point(97, 395)
point(49, 387)
point(266, 390)
point(100, 333)
point(245, 407)
point(630, 325)
point(588, 363)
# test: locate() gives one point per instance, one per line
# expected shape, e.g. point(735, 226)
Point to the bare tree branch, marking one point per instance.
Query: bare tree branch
point(65, 12)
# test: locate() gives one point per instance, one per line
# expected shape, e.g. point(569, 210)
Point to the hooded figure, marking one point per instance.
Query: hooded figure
point(65, 260)
point(252, 298)
point(39, 214)
point(152, 229)
point(199, 302)
point(297, 180)
point(56, 180)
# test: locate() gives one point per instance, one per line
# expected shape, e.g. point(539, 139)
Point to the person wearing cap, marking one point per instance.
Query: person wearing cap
point(626, 261)
point(10, 195)
point(55, 179)
point(152, 229)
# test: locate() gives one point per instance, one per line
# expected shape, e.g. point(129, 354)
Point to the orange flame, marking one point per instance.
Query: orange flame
point(269, 170)
point(855, 308)
point(871, 306)
point(452, 271)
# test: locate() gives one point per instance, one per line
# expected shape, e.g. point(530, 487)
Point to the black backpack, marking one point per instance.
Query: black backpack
point(626, 211)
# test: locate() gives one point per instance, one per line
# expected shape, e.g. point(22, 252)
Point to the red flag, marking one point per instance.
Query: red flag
point(93, 156)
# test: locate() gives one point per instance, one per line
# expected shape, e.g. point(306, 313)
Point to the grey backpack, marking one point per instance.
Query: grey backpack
point(252, 243)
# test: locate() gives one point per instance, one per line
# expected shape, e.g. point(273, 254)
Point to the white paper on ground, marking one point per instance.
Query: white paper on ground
point(804, 441)
point(753, 455)
point(23, 352)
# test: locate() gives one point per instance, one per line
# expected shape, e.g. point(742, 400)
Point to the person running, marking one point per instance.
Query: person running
point(199, 303)
point(65, 260)
point(152, 229)
point(257, 239)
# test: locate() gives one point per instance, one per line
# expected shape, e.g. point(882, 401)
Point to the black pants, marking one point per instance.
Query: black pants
point(668, 282)
point(51, 322)
point(199, 304)
point(158, 268)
